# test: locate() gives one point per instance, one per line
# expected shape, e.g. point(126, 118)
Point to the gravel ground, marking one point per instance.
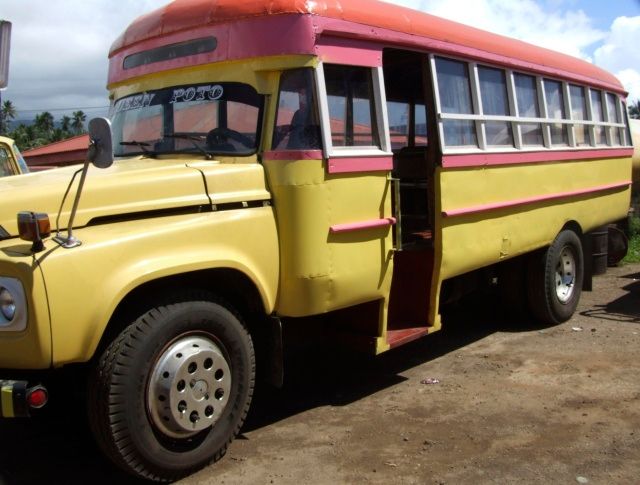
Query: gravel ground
point(508, 402)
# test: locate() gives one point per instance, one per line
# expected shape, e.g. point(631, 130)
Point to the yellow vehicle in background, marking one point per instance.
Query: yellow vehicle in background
point(11, 161)
point(351, 164)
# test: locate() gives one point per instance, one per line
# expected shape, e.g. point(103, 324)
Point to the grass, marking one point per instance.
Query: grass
point(633, 255)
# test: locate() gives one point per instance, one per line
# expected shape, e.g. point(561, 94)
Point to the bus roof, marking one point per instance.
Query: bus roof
point(184, 15)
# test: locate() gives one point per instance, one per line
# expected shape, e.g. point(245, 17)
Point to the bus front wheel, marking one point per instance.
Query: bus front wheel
point(555, 279)
point(169, 394)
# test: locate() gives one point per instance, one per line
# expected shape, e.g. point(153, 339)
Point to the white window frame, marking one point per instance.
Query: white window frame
point(380, 113)
point(516, 121)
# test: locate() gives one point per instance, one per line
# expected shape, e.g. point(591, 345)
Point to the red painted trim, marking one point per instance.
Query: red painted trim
point(531, 200)
point(293, 155)
point(423, 42)
point(290, 33)
point(514, 158)
point(335, 50)
point(257, 37)
point(396, 338)
point(360, 164)
point(359, 226)
point(373, 17)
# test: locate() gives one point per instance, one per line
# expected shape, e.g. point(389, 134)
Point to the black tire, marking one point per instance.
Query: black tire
point(122, 389)
point(554, 280)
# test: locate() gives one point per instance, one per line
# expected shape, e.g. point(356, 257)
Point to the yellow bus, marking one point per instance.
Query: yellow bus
point(355, 161)
point(11, 161)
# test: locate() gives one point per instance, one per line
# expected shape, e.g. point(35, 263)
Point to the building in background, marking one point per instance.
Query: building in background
point(59, 154)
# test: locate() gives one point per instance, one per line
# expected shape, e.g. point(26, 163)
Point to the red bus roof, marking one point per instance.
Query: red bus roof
point(184, 15)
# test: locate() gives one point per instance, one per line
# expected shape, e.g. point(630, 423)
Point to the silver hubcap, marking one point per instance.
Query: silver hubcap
point(565, 274)
point(189, 387)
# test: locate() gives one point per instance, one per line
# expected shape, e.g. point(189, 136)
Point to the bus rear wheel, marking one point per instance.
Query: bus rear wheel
point(555, 279)
point(170, 393)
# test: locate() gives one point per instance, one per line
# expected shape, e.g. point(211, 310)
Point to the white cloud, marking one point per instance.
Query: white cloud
point(620, 55)
point(557, 25)
point(59, 50)
point(569, 30)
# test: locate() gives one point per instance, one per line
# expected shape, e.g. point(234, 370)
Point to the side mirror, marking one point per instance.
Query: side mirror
point(100, 145)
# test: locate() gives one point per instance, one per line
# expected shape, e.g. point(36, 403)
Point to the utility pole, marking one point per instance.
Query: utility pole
point(5, 48)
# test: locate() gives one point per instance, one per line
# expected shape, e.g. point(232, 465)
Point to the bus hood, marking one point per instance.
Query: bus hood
point(128, 187)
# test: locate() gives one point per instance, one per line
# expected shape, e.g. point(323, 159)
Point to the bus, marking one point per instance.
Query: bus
point(11, 161)
point(356, 164)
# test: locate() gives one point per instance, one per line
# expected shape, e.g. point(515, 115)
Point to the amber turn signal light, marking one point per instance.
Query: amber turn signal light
point(34, 226)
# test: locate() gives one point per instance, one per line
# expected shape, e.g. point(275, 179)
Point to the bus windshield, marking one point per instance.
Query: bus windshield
point(210, 119)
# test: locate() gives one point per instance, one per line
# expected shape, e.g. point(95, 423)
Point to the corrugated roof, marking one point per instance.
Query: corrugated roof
point(80, 142)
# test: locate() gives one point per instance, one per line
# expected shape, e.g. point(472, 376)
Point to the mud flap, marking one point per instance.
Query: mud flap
point(587, 257)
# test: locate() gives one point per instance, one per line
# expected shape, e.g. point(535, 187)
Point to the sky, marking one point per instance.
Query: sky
point(59, 48)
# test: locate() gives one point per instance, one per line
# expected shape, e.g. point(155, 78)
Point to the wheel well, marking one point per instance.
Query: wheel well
point(230, 285)
point(573, 226)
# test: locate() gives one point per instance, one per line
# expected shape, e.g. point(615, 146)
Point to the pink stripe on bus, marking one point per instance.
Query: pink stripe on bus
point(360, 164)
point(530, 200)
point(514, 158)
point(359, 226)
point(293, 155)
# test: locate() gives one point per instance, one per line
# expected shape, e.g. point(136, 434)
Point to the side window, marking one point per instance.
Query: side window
point(455, 97)
point(350, 95)
point(400, 124)
point(527, 99)
point(555, 110)
point(23, 165)
point(612, 110)
point(598, 116)
point(297, 122)
point(579, 112)
point(399, 119)
point(420, 117)
point(5, 163)
point(493, 92)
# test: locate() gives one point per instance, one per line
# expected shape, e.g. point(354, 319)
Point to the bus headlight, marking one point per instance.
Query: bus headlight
point(13, 305)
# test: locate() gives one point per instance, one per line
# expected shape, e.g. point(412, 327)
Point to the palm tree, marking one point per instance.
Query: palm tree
point(44, 122)
point(634, 109)
point(78, 121)
point(65, 123)
point(7, 112)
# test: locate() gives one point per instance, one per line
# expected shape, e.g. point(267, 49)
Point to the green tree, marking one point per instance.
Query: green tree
point(65, 124)
point(78, 122)
point(44, 123)
point(7, 112)
point(634, 109)
point(25, 136)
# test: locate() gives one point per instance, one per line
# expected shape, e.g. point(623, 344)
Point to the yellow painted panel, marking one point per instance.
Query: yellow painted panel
point(116, 258)
point(30, 348)
point(251, 71)
point(320, 271)
point(481, 185)
point(7, 402)
point(476, 240)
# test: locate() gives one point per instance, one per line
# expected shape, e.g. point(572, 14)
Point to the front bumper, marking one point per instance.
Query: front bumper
point(17, 398)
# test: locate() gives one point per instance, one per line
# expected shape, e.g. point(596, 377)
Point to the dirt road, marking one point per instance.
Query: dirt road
point(514, 403)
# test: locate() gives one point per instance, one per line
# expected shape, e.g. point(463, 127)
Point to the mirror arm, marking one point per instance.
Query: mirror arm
point(100, 154)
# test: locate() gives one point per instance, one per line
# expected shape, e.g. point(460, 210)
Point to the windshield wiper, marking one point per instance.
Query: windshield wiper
point(143, 146)
point(193, 139)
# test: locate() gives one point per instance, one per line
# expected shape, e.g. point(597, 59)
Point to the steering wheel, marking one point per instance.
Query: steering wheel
point(220, 136)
